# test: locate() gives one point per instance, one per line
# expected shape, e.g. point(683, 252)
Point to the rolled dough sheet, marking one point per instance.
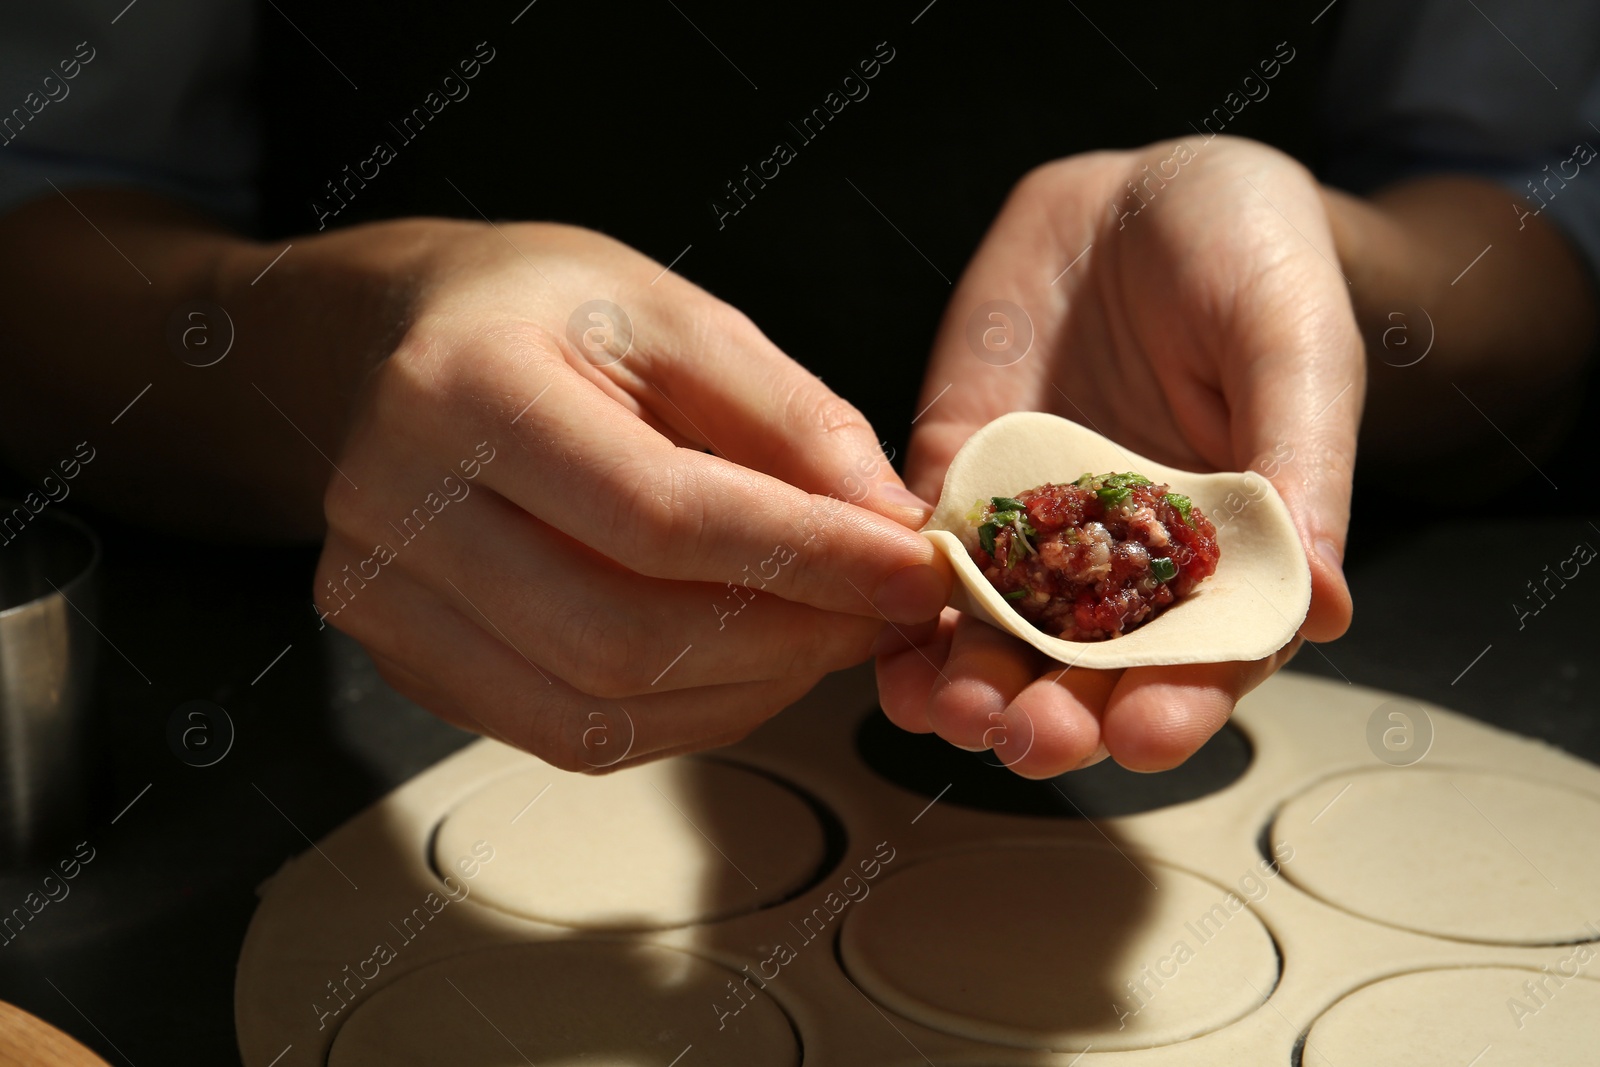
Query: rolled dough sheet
point(988, 938)
point(657, 846)
point(1059, 948)
point(1484, 1016)
point(1456, 853)
point(595, 1003)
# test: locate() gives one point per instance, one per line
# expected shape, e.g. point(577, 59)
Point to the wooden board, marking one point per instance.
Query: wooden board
point(27, 1041)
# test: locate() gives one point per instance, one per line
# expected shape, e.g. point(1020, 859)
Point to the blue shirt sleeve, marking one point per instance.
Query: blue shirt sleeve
point(156, 96)
point(1507, 90)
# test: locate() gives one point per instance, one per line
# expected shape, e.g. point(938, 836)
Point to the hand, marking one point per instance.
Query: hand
point(634, 535)
point(1206, 325)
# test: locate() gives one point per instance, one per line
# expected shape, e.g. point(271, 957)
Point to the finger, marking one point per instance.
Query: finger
point(1157, 717)
point(416, 689)
point(472, 677)
point(934, 444)
point(420, 692)
point(698, 745)
point(589, 467)
point(603, 630)
point(709, 371)
point(602, 477)
point(1053, 725)
point(908, 672)
point(985, 671)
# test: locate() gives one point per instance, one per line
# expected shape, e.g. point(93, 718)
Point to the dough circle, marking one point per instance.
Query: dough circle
point(1059, 947)
point(1447, 1018)
point(559, 1004)
point(666, 844)
point(1470, 855)
point(1247, 610)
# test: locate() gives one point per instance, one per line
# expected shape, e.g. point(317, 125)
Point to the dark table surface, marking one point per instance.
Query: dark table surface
point(138, 961)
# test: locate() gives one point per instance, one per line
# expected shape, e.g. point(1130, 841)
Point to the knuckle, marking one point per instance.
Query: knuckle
point(326, 589)
point(784, 694)
point(1040, 180)
point(725, 324)
point(761, 702)
point(446, 371)
point(819, 409)
point(602, 653)
point(1045, 181)
point(549, 727)
point(657, 517)
point(403, 682)
point(341, 503)
point(827, 542)
point(818, 564)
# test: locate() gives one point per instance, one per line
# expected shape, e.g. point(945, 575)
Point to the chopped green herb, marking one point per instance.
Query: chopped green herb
point(1004, 518)
point(986, 534)
point(1113, 496)
point(975, 512)
point(1163, 568)
point(1006, 503)
point(1105, 484)
point(1016, 594)
point(1183, 504)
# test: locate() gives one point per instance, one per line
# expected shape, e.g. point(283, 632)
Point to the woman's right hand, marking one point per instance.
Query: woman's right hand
point(588, 509)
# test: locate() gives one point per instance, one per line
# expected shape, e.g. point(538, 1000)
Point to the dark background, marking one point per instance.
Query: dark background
point(623, 118)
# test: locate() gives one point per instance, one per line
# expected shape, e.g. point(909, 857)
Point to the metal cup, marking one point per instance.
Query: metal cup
point(48, 567)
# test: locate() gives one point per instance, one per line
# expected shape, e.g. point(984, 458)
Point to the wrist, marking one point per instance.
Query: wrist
point(311, 317)
point(1388, 270)
point(1448, 288)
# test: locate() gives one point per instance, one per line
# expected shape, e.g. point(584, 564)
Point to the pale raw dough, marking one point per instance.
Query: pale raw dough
point(1450, 1018)
point(598, 1004)
point(1247, 610)
point(1464, 854)
point(1036, 947)
point(1028, 911)
point(651, 847)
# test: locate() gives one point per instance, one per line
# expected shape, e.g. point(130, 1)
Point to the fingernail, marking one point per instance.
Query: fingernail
point(911, 594)
point(1099, 754)
point(1331, 555)
point(896, 496)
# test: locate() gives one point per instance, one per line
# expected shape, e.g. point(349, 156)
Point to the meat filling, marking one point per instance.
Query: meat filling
point(1093, 559)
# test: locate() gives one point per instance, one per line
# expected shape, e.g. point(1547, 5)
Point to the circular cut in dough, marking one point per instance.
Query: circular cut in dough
point(560, 1004)
point(1460, 854)
point(1059, 947)
point(1448, 1019)
point(666, 844)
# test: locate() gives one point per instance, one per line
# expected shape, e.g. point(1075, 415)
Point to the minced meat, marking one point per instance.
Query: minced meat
point(1093, 559)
